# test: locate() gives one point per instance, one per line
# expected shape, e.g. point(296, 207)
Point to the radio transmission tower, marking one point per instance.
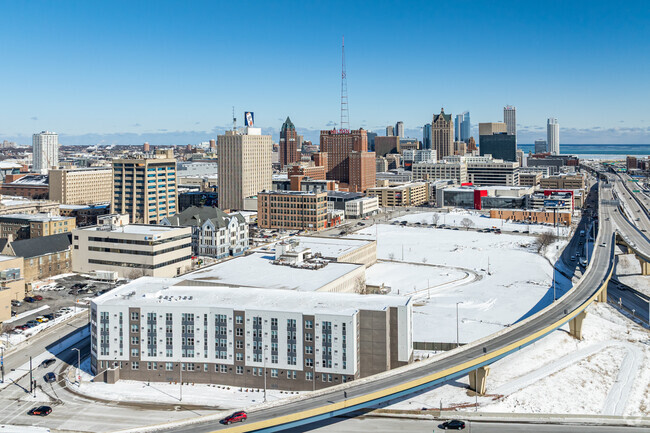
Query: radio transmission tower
point(345, 115)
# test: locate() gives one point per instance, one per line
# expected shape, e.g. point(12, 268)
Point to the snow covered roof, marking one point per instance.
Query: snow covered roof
point(136, 229)
point(331, 247)
point(258, 270)
point(149, 291)
point(32, 179)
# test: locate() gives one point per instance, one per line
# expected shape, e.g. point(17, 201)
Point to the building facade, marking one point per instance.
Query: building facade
point(442, 134)
point(26, 226)
point(297, 210)
point(145, 188)
point(230, 336)
point(12, 283)
point(84, 186)
point(362, 171)
point(500, 146)
point(29, 185)
point(386, 145)
point(245, 166)
point(409, 194)
point(495, 172)
point(426, 136)
point(441, 170)
point(45, 148)
point(44, 256)
point(132, 250)
point(563, 181)
point(540, 146)
point(361, 207)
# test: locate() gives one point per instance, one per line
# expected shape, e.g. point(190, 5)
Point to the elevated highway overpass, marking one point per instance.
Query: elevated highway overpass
point(472, 358)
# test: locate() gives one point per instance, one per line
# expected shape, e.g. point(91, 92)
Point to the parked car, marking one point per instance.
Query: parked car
point(16, 303)
point(32, 323)
point(40, 411)
point(49, 316)
point(29, 299)
point(49, 377)
point(453, 424)
point(42, 319)
point(240, 416)
point(38, 297)
point(47, 362)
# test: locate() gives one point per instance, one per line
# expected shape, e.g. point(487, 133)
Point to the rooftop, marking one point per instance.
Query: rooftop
point(330, 247)
point(148, 291)
point(4, 258)
point(258, 270)
point(134, 229)
point(35, 217)
point(32, 179)
point(10, 200)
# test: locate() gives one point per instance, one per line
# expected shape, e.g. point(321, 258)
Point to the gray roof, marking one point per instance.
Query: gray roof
point(445, 117)
point(288, 124)
point(42, 245)
point(195, 216)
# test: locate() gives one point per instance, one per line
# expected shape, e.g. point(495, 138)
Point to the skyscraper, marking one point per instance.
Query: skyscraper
point(553, 136)
point(145, 188)
point(45, 149)
point(244, 166)
point(540, 146)
point(466, 128)
point(338, 145)
point(442, 134)
point(288, 143)
point(390, 131)
point(510, 119)
point(399, 129)
point(426, 136)
point(457, 125)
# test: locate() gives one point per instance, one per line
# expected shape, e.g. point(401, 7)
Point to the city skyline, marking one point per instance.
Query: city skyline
point(176, 80)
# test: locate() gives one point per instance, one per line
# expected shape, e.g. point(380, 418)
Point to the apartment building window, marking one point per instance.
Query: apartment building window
point(239, 320)
point(309, 376)
point(134, 328)
point(239, 369)
point(309, 350)
point(309, 336)
point(309, 362)
point(134, 352)
point(135, 340)
point(135, 365)
point(134, 316)
point(309, 324)
point(239, 356)
point(223, 368)
point(274, 372)
point(239, 332)
point(169, 366)
point(190, 366)
point(239, 344)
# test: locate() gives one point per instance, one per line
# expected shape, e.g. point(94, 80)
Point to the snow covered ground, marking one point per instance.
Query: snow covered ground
point(217, 396)
point(409, 278)
point(603, 374)
point(519, 281)
point(455, 216)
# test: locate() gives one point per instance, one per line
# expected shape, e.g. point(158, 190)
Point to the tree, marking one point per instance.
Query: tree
point(543, 240)
point(360, 285)
point(467, 223)
point(434, 219)
point(135, 273)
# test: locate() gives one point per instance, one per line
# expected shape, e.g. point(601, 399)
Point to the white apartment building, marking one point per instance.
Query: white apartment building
point(244, 165)
point(132, 250)
point(553, 136)
point(45, 149)
point(162, 330)
point(441, 170)
point(362, 207)
point(214, 232)
point(419, 155)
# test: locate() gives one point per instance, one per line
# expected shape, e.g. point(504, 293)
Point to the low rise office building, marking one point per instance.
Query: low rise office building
point(12, 283)
point(132, 250)
point(456, 170)
point(22, 205)
point(44, 256)
point(408, 194)
point(362, 207)
point(25, 226)
point(81, 186)
point(298, 210)
point(563, 181)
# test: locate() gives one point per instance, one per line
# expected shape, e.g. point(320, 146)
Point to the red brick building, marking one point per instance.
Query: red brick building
point(362, 171)
point(288, 143)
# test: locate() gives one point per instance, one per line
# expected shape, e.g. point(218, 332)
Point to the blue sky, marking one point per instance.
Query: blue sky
point(170, 72)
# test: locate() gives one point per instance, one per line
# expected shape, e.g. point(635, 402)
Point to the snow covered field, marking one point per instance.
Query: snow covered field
point(518, 284)
point(602, 374)
point(408, 278)
point(454, 218)
point(628, 271)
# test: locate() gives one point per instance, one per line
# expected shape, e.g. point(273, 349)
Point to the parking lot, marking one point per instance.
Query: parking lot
point(58, 294)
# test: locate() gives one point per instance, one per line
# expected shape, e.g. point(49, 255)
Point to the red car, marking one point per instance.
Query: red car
point(235, 417)
point(38, 297)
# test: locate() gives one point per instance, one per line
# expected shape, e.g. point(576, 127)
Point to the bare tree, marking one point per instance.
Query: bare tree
point(391, 256)
point(5, 328)
point(135, 273)
point(434, 219)
point(543, 240)
point(424, 260)
point(467, 223)
point(360, 285)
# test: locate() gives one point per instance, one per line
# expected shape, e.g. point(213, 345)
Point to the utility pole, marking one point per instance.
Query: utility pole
point(2, 363)
point(457, 326)
point(31, 376)
point(181, 366)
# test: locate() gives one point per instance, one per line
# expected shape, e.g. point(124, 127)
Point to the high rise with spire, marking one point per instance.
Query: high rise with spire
point(442, 134)
point(289, 143)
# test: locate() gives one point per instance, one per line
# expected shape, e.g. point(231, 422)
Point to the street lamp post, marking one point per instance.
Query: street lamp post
point(78, 365)
point(457, 326)
point(264, 360)
point(2, 363)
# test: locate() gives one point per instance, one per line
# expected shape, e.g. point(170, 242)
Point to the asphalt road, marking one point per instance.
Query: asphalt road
point(620, 293)
point(591, 281)
point(381, 424)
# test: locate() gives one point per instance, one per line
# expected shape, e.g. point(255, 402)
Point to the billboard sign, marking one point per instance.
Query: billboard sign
point(554, 203)
point(249, 118)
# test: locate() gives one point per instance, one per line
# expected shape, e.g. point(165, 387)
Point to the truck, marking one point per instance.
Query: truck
point(104, 275)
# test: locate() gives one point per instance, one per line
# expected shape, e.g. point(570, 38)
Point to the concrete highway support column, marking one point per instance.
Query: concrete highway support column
point(575, 325)
point(645, 266)
point(478, 378)
point(602, 296)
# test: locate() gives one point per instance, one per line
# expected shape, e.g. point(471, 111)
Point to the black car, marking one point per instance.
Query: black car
point(29, 299)
point(47, 362)
point(49, 316)
point(453, 424)
point(40, 411)
point(49, 377)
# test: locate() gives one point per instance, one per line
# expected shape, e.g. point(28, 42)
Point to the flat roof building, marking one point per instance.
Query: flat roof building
point(84, 186)
point(408, 194)
point(300, 210)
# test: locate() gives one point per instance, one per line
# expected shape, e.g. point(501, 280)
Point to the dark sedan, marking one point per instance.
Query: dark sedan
point(40, 411)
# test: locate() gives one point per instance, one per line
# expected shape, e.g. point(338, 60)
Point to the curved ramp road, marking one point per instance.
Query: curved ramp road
point(384, 387)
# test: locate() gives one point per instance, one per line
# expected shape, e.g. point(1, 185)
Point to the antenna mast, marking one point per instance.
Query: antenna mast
point(345, 115)
point(234, 119)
